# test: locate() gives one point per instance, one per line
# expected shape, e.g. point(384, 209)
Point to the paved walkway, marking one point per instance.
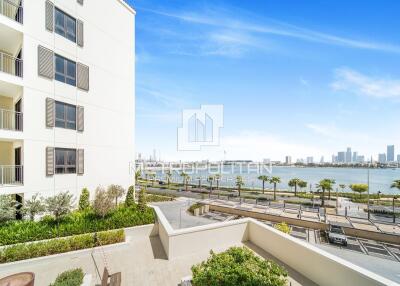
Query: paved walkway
point(141, 260)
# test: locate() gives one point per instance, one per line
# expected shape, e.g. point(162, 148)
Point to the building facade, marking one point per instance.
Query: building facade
point(66, 95)
point(390, 153)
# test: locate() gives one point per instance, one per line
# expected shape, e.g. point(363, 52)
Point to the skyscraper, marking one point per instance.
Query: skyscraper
point(288, 160)
point(390, 153)
point(341, 157)
point(398, 158)
point(355, 154)
point(310, 160)
point(348, 155)
point(382, 158)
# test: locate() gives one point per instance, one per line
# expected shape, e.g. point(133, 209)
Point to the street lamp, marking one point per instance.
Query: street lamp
point(394, 214)
point(368, 195)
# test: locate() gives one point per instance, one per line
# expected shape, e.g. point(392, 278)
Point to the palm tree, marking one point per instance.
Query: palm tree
point(332, 181)
point(264, 179)
point(211, 179)
point(302, 185)
point(168, 175)
point(395, 184)
point(325, 185)
point(294, 183)
point(185, 178)
point(152, 178)
point(239, 183)
point(275, 180)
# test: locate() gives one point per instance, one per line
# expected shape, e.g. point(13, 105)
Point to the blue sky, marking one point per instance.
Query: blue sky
point(299, 78)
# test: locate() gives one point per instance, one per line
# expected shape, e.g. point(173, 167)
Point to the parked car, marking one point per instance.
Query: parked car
point(336, 235)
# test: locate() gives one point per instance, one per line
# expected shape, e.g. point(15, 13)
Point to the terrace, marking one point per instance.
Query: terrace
point(158, 255)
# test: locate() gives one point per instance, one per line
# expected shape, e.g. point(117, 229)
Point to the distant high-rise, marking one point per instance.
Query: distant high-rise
point(390, 153)
point(154, 155)
point(398, 158)
point(322, 161)
point(334, 159)
point(348, 155)
point(310, 160)
point(288, 160)
point(360, 159)
point(382, 158)
point(341, 157)
point(355, 154)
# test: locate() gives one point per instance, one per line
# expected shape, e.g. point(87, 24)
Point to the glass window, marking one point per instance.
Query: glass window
point(65, 25)
point(65, 70)
point(65, 115)
point(65, 161)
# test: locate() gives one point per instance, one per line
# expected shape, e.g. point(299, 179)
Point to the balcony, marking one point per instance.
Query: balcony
point(12, 9)
point(11, 163)
point(11, 120)
point(11, 65)
point(11, 175)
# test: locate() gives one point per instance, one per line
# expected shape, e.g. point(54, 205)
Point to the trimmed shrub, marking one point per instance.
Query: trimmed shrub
point(130, 196)
point(282, 226)
point(78, 222)
point(84, 202)
point(55, 246)
point(142, 199)
point(194, 206)
point(72, 277)
point(7, 208)
point(34, 206)
point(238, 266)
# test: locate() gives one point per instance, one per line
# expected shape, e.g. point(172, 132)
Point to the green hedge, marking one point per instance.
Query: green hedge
point(158, 198)
point(78, 222)
point(60, 245)
point(72, 277)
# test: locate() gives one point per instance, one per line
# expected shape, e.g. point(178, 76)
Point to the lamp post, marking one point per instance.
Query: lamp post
point(368, 195)
point(394, 214)
point(337, 207)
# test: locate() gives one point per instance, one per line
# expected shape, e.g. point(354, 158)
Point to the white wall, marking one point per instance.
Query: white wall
point(315, 264)
point(108, 138)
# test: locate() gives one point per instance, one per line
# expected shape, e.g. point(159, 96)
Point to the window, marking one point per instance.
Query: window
point(65, 25)
point(65, 161)
point(65, 70)
point(65, 115)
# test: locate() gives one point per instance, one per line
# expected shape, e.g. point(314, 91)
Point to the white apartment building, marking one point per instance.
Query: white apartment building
point(67, 95)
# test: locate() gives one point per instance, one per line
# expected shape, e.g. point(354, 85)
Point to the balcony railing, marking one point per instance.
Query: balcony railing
point(11, 65)
point(11, 120)
point(12, 9)
point(11, 176)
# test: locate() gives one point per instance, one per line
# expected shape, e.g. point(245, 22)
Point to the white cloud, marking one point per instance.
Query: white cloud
point(223, 19)
point(361, 84)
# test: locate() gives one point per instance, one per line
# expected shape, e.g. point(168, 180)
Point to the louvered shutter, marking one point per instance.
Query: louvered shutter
point(80, 118)
point(45, 62)
point(79, 33)
point(80, 161)
point(50, 112)
point(83, 76)
point(49, 161)
point(80, 2)
point(49, 16)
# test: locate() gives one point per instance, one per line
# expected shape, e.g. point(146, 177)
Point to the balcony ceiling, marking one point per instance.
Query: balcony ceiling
point(9, 90)
point(11, 40)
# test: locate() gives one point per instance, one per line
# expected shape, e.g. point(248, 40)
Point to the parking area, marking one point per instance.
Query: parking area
point(362, 246)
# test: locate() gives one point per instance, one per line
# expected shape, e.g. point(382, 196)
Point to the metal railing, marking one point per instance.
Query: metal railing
point(12, 9)
point(11, 175)
point(11, 65)
point(11, 120)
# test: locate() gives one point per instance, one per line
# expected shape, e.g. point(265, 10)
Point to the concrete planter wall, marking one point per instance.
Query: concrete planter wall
point(196, 212)
point(206, 208)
